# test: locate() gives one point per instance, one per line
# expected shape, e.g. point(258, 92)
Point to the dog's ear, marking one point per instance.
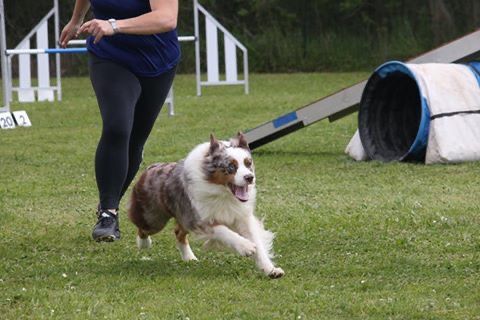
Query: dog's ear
point(240, 141)
point(214, 144)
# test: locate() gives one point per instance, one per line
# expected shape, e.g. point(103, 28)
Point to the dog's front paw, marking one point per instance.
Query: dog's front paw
point(189, 258)
point(276, 273)
point(246, 248)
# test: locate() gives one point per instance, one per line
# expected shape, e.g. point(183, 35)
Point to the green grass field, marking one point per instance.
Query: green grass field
point(357, 240)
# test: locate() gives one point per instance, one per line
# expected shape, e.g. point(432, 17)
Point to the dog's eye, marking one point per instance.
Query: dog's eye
point(231, 168)
point(248, 162)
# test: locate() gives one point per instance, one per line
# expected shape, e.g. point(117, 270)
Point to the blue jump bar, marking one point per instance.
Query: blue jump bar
point(45, 51)
point(66, 50)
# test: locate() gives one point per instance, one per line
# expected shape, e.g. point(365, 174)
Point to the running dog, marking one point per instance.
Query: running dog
point(211, 194)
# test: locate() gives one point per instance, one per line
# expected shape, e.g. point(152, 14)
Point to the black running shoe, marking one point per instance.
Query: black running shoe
point(107, 228)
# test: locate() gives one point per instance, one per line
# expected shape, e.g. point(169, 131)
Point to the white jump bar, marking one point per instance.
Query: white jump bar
point(82, 42)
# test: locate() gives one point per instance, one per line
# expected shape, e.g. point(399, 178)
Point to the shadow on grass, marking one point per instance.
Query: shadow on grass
point(96, 260)
point(54, 249)
point(138, 271)
point(220, 267)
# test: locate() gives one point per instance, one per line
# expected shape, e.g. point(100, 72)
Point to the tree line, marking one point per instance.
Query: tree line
point(301, 35)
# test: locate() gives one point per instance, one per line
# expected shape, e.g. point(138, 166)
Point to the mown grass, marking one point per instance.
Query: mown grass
point(357, 240)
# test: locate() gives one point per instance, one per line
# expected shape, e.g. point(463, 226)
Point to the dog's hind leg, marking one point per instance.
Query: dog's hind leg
point(182, 243)
point(143, 240)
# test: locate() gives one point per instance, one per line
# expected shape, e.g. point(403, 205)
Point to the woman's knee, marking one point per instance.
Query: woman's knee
point(116, 132)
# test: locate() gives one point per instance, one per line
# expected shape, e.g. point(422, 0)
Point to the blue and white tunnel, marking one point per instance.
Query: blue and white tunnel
point(421, 112)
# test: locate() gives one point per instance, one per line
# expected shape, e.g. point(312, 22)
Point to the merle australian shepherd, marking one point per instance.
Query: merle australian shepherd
point(211, 193)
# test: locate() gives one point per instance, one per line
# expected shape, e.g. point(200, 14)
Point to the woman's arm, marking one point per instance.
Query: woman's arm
point(71, 29)
point(162, 18)
point(80, 10)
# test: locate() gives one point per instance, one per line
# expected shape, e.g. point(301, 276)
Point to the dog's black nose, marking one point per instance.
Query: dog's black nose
point(249, 178)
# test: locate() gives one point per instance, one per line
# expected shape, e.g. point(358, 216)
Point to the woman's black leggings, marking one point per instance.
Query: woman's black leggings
point(129, 106)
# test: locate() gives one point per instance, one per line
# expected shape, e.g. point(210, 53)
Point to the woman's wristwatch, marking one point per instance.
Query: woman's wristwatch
point(113, 23)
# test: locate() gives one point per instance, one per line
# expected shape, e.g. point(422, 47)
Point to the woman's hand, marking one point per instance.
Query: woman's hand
point(69, 32)
point(97, 28)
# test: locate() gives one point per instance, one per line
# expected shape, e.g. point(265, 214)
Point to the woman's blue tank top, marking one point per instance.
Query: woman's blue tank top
point(144, 55)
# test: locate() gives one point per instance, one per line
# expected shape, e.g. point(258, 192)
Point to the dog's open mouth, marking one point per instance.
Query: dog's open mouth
point(241, 193)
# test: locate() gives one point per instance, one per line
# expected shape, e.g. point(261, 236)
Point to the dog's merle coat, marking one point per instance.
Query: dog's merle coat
point(211, 194)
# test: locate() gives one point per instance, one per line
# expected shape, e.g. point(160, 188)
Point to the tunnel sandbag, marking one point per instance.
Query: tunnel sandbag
point(421, 112)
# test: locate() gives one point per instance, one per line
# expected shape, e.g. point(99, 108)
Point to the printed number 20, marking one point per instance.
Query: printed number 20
point(6, 122)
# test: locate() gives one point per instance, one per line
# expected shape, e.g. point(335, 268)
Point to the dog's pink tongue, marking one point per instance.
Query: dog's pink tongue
point(241, 193)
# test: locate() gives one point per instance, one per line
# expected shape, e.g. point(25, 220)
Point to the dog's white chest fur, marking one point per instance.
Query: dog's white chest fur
point(221, 209)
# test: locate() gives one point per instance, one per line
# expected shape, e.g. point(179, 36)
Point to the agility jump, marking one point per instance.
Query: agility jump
point(45, 91)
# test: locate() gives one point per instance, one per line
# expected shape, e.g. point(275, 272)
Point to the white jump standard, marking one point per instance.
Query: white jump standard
point(45, 91)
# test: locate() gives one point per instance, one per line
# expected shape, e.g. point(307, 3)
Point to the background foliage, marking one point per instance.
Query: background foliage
point(303, 35)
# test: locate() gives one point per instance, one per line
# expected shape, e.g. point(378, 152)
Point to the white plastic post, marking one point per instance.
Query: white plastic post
point(25, 91)
point(212, 51)
point(57, 56)
point(231, 71)
point(245, 71)
point(169, 102)
point(43, 67)
point(196, 26)
point(4, 63)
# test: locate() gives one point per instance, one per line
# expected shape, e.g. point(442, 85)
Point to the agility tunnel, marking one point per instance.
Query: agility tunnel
point(419, 112)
